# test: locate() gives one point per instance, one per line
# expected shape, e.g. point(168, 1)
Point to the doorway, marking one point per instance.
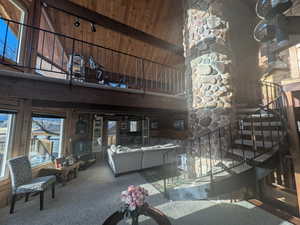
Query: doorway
point(112, 130)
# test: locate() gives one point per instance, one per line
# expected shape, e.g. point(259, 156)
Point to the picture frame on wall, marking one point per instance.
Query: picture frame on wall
point(179, 124)
point(154, 124)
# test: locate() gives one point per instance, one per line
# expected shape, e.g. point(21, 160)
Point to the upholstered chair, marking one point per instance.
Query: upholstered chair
point(23, 183)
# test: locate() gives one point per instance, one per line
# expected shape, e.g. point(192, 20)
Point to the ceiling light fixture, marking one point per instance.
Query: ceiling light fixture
point(77, 22)
point(93, 28)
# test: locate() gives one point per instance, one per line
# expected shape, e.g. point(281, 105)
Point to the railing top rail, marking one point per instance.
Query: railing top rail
point(89, 43)
point(271, 83)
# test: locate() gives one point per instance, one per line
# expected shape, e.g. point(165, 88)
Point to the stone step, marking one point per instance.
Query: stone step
point(261, 124)
point(265, 133)
point(263, 115)
point(247, 110)
point(261, 144)
point(256, 156)
point(258, 119)
point(241, 168)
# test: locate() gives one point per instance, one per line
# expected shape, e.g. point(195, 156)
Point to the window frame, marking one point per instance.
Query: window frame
point(137, 124)
point(9, 142)
point(20, 54)
point(61, 136)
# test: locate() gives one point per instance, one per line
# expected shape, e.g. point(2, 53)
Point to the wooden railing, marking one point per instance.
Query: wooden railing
point(64, 57)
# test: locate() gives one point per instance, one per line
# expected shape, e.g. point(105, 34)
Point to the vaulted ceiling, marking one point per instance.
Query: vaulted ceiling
point(160, 18)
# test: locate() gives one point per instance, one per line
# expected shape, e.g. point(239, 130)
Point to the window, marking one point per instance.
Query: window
point(179, 125)
point(133, 126)
point(46, 139)
point(6, 125)
point(49, 70)
point(112, 132)
point(11, 33)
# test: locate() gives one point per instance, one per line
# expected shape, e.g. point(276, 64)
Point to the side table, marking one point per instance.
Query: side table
point(63, 174)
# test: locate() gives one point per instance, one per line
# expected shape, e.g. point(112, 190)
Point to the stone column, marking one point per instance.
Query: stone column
point(208, 69)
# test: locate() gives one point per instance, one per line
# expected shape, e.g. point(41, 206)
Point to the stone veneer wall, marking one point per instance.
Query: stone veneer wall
point(208, 66)
point(221, 63)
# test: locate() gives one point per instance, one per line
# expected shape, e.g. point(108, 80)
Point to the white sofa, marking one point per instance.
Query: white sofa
point(125, 159)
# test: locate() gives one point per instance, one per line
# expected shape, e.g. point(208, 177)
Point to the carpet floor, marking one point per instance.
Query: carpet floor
point(95, 194)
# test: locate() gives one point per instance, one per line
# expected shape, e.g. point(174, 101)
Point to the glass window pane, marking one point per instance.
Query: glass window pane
point(10, 40)
point(46, 139)
point(133, 126)
point(45, 69)
point(6, 121)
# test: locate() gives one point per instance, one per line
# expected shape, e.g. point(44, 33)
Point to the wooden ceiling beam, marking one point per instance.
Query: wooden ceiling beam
point(104, 21)
point(118, 110)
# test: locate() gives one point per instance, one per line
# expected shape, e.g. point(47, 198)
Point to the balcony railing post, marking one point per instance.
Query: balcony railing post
point(210, 158)
point(220, 145)
point(200, 155)
point(5, 41)
point(43, 44)
point(267, 87)
point(143, 75)
point(156, 77)
point(253, 136)
point(261, 129)
point(231, 141)
point(72, 61)
point(53, 51)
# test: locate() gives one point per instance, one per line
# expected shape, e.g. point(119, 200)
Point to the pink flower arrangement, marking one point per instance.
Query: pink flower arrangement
point(134, 197)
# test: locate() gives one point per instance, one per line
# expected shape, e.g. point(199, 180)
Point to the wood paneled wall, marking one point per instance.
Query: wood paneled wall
point(22, 132)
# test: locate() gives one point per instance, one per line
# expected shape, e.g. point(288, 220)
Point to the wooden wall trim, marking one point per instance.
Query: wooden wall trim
point(294, 147)
point(20, 85)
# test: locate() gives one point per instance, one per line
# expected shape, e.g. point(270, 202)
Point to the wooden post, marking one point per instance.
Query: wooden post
point(22, 133)
point(294, 141)
point(31, 44)
point(104, 137)
point(68, 128)
point(294, 63)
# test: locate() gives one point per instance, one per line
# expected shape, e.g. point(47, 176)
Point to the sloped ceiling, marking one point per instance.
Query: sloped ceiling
point(160, 18)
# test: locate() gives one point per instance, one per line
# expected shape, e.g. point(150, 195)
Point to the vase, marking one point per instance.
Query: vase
point(135, 220)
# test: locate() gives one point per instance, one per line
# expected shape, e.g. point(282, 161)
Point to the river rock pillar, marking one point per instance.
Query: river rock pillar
point(208, 61)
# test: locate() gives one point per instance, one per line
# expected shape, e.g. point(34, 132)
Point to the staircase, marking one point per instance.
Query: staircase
point(255, 143)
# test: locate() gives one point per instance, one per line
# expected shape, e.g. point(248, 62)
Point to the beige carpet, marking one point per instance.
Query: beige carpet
point(94, 195)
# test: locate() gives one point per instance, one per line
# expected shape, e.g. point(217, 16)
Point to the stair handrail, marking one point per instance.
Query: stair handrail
point(279, 100)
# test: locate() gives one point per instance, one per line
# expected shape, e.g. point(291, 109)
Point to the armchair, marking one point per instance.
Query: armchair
point(23, 183)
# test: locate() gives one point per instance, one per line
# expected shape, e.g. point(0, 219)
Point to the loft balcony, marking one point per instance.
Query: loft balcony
point(164, 99)
point(49, 64)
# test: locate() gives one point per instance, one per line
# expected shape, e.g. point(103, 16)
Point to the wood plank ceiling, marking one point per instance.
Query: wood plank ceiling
point(160, 18)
